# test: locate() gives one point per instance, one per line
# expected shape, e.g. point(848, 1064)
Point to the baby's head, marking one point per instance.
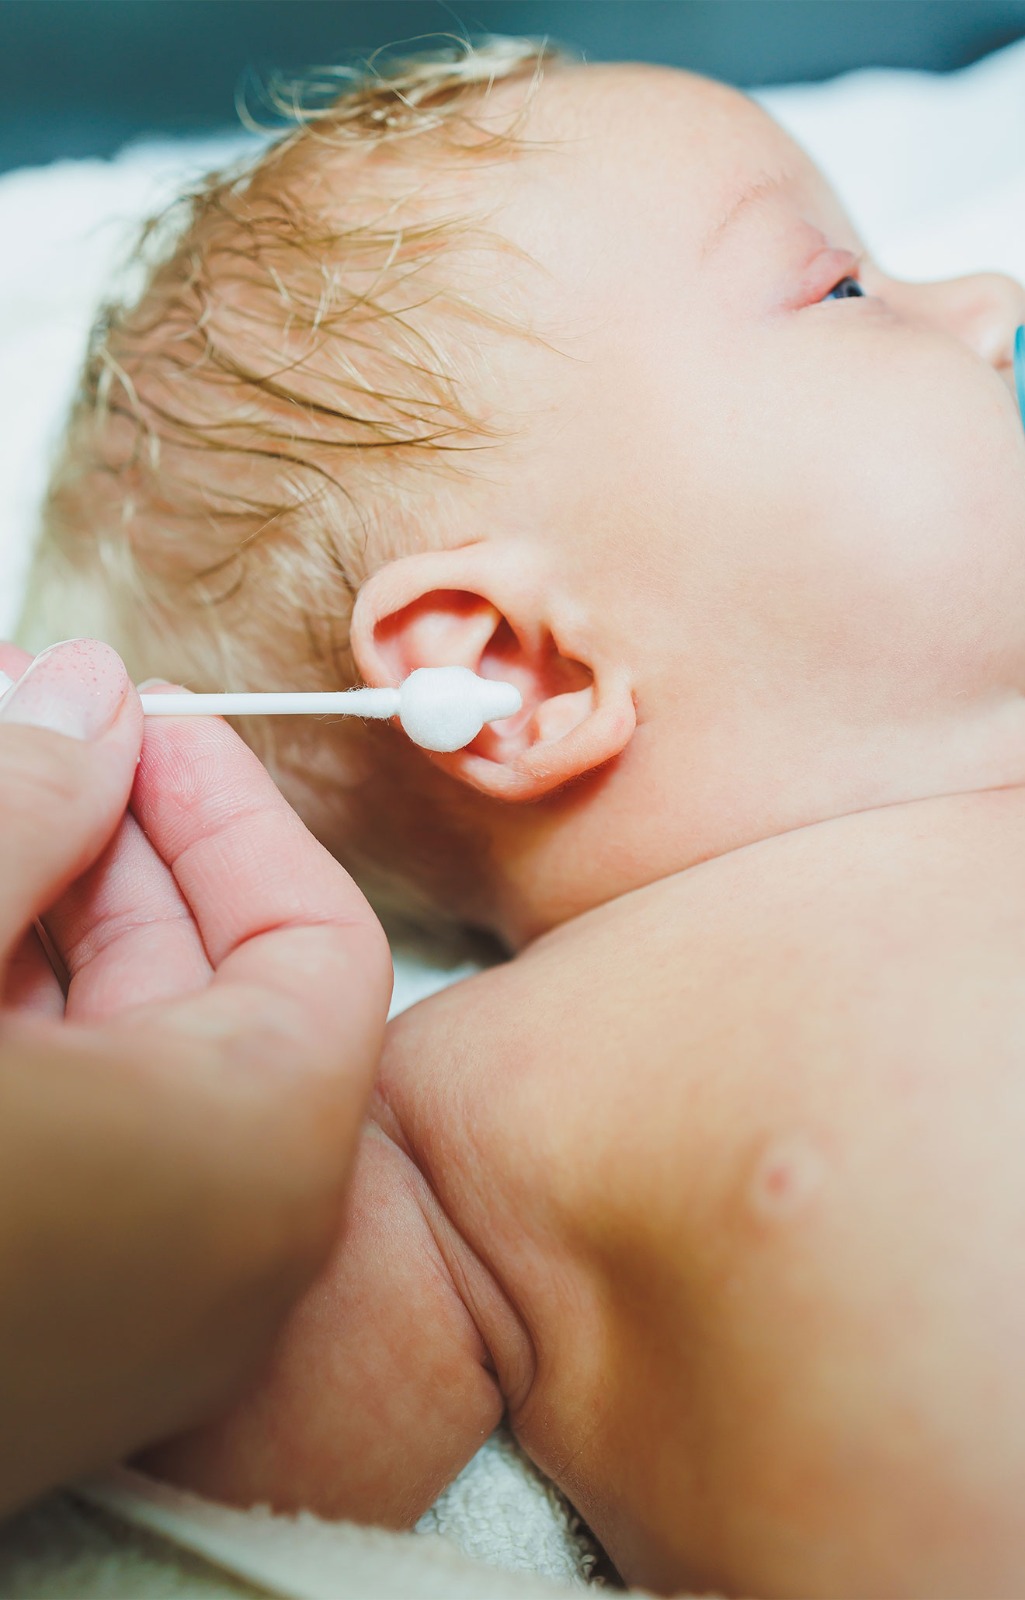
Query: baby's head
point(561, 373)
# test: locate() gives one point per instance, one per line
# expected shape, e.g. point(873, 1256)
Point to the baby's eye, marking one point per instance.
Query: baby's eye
point(847, 289)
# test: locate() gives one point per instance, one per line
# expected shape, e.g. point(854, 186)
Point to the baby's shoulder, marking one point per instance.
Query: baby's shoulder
point(810, 980)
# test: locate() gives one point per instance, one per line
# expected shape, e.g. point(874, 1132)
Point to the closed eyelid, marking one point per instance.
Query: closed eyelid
point(764, 186)
point(809, 197)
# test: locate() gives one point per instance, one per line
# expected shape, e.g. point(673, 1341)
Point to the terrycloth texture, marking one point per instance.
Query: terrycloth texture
point(502, 1509)
point(65, 1549)
point(933, 172)
point(72, 1548)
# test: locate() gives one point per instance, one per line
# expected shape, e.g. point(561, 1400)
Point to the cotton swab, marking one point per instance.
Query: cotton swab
point(440, 708)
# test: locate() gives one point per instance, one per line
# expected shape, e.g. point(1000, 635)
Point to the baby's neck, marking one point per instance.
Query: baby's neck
point(629, 825)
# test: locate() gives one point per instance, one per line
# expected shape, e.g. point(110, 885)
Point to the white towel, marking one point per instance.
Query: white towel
point(126, 1539)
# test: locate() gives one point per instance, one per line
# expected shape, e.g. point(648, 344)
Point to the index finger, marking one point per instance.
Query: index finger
point(282, 922)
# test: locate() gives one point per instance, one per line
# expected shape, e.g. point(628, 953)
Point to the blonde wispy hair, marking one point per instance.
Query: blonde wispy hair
point(288, 403)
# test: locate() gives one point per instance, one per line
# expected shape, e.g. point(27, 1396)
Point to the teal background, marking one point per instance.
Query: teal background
point(80, 77)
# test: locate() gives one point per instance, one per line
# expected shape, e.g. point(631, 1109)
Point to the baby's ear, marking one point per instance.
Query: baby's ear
point(490, 609)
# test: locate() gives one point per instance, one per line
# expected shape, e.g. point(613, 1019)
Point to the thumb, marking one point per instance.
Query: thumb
point(70, 736)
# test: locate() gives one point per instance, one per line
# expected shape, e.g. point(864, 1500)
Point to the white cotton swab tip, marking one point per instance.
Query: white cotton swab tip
point(444, 708)
point(440, 708)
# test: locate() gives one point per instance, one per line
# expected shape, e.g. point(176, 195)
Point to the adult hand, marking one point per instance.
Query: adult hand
point(175, 1134)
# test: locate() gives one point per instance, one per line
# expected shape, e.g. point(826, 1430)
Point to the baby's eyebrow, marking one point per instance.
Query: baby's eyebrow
point(760, 187)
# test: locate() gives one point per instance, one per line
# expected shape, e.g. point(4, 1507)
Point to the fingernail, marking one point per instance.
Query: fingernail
point(76, 687)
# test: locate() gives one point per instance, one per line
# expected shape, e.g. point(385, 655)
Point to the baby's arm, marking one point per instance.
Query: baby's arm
point(380, 1389)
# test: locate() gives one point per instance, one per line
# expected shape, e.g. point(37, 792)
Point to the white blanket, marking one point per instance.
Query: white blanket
point(933, 172)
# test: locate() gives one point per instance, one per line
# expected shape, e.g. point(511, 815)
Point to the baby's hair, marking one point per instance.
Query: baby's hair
point(286, 405)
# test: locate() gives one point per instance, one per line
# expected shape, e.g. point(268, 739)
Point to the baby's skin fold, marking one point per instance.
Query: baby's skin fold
point(669, 1251)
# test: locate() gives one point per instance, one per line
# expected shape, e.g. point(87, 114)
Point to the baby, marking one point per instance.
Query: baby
point(580, 376)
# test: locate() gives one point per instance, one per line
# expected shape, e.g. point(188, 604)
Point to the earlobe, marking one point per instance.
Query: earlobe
point(484, 608)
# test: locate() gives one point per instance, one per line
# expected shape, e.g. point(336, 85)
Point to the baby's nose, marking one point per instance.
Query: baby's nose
point(982, 310)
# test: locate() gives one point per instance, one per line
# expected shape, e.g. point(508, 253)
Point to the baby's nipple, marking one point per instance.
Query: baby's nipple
point(786, 1177)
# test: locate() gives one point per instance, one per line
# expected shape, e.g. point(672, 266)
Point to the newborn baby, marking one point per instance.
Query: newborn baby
point(580, 376)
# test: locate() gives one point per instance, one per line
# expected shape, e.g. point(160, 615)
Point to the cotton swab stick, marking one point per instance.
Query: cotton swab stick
point(440, 708)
